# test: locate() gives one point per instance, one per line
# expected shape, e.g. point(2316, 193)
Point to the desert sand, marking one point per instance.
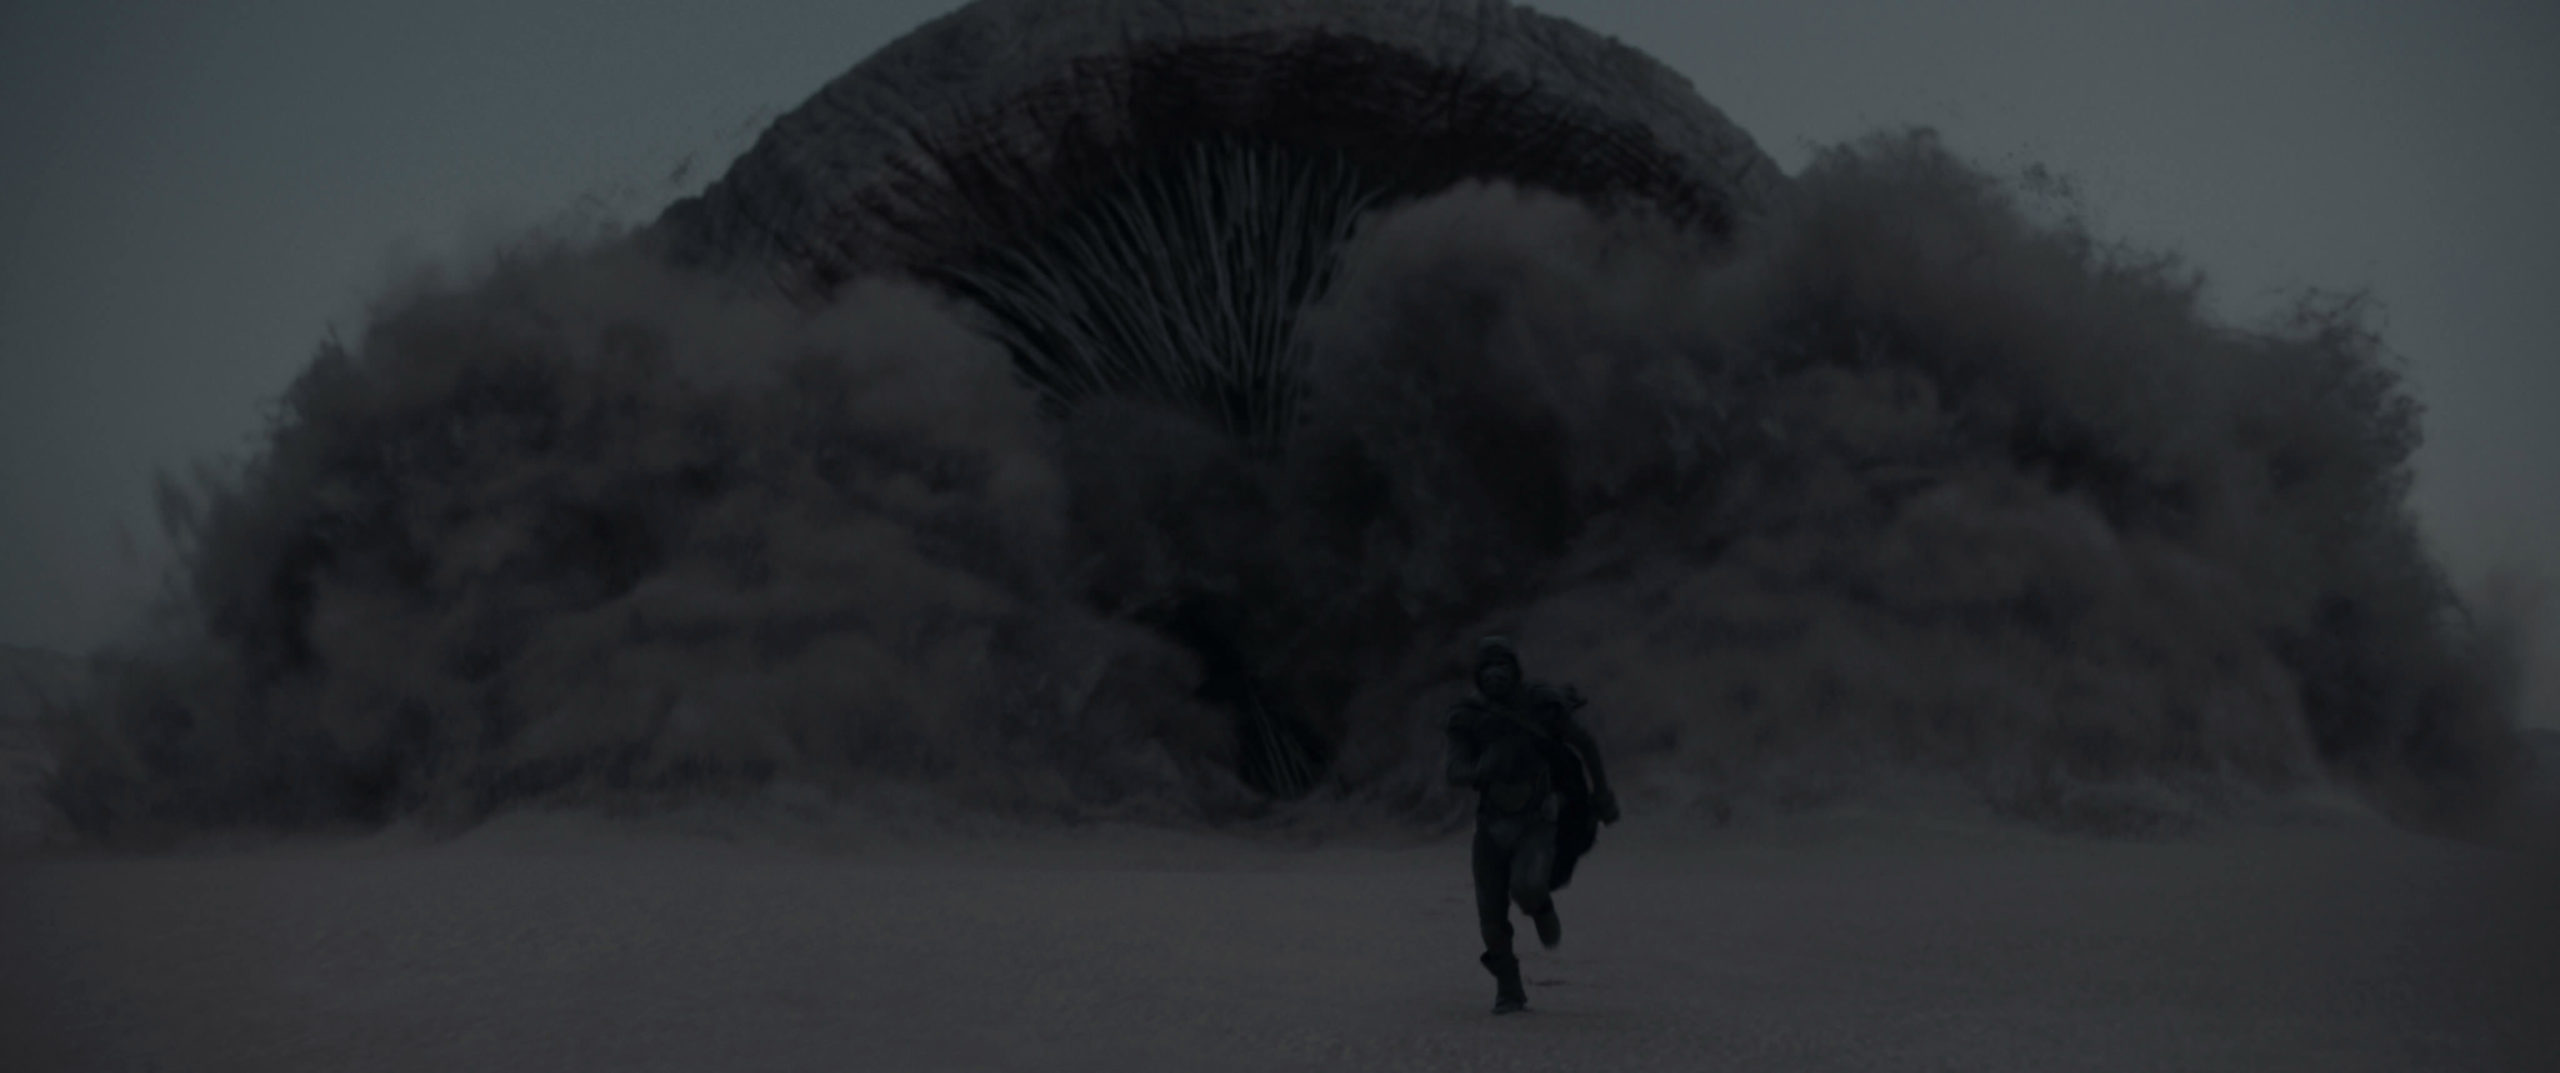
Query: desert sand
point(1845, 942)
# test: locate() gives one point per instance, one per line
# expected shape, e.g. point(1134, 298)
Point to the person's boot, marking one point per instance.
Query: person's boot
point(1508, 995)
point(1550, 926)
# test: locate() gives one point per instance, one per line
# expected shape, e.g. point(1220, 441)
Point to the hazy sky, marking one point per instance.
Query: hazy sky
point(191, 195)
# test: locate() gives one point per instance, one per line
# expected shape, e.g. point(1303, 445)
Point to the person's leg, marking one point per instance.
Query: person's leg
point(1493, 869)
point(1532, 866)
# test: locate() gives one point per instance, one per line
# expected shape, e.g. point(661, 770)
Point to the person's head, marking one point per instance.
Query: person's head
point(1497, 667)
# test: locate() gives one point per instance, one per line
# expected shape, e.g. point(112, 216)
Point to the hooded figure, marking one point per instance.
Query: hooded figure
point(1517, 744)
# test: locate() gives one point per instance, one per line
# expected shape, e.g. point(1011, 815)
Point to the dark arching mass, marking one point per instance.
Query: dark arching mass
point(1136, 409)
point(987, 124)
point(1142, 198)
point(1143, 195)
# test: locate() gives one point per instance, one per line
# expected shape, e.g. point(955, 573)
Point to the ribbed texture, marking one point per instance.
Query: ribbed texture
point(990, 121)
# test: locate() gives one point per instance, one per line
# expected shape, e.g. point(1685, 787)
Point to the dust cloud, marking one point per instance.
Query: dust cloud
point(1917, 481)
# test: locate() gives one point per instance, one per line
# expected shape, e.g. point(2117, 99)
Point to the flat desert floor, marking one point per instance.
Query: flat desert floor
point(554, 943)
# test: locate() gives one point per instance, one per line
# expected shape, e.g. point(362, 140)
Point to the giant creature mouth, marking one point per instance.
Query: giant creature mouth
point(1181, 283)
point(1144, 214)
point(984, 127)
point(1147, 212)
